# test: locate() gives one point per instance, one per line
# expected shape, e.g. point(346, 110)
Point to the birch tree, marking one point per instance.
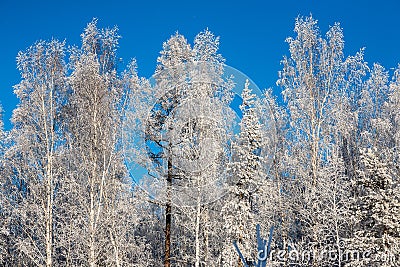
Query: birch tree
point(34, 154)
point(7, 239)
point(393, 104)
point(315, 81)
point(374, 126)
point(101, 212)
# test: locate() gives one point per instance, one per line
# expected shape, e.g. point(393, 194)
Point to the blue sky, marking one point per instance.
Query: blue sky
point(252, 32)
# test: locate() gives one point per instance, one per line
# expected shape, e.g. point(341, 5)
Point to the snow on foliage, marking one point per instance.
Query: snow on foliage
point(321, 166)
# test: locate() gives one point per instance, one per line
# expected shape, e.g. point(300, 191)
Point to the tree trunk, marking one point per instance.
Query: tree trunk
point(49, 223)
point(48, 130)
point(168, 216)
point(197, 233)
point(206, 239)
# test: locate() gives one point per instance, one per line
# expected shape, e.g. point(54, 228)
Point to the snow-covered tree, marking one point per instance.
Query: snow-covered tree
point(274, 201)
point(309, 78)
point(374, 125)
point(171, 86)
point(393, 123)
point(376, 213)
point(183, 118)
point(100, 214)
point(321, 166)
point(247, 174)
point(393, 105)
point(7, 239)
point(34, 155)
point(321, 89)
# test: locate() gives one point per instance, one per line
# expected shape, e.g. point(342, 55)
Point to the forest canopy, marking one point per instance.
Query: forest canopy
point(321, 165)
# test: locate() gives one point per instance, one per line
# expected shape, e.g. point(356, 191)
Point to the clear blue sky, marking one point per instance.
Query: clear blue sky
point(252, 32)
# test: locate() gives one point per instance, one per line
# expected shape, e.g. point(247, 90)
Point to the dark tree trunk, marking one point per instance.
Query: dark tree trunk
point(168, 216)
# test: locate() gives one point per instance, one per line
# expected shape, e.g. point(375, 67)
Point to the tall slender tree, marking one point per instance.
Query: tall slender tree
point(101, 218)
point(34, 154)
point(317, 82)
point(247, 174)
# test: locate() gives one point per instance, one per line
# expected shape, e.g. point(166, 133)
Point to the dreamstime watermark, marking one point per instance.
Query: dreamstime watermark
point(312, 252)
point(328, 255)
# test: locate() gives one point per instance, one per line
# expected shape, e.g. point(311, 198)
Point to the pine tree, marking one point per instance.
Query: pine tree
point(246, 175)
point(376, 208)
point(183, 117)
point(170, 77)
